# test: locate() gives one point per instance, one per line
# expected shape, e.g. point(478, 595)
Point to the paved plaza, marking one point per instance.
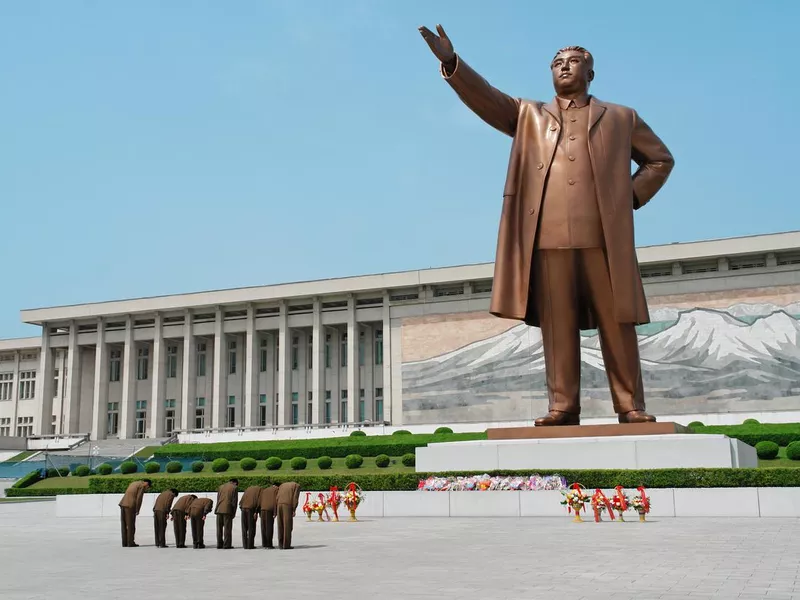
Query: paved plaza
point(43, 557)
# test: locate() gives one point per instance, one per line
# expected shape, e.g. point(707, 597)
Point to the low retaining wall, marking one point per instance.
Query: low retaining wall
point(666, 502)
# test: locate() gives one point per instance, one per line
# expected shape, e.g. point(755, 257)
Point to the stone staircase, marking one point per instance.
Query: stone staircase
point(113, 448)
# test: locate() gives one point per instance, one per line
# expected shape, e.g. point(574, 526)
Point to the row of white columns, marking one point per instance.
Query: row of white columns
point(156, 406)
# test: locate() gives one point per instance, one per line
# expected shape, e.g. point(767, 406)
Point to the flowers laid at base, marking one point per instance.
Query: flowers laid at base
point(482, 483)
point(353, 497)
point(334, 500)
point(620, 502)
point(575, 501)
point(641, 503)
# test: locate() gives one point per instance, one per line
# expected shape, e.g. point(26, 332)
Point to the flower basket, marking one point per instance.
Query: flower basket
point(307, 506)
point(353, 498)
point(334, 500)
point(599, 504)
point(620, 502)
point(641, 503)
point(575, 500)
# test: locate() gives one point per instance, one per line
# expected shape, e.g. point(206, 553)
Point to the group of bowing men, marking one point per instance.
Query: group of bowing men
point(270, 503)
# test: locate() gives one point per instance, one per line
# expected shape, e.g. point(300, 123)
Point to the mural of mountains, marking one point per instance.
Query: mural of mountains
point(751, 351)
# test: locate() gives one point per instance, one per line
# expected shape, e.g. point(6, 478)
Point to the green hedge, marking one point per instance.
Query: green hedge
point(782, 434)
point(27, 480)
point(375, 445)
point(28, 492)
point(607, 479)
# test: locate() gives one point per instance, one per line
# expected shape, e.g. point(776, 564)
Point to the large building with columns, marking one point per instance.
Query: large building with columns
point(402, 349)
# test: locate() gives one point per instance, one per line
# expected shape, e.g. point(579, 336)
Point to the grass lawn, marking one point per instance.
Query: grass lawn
point(781, 461)
point(21, 456)
point(146, 452)
point(338, 468)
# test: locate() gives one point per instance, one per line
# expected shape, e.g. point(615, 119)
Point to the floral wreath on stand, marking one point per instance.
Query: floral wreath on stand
point(307, 506)
point(575, 501)
point(334, 500)
point(599, 504)
point(353, 497)
point(641, 503)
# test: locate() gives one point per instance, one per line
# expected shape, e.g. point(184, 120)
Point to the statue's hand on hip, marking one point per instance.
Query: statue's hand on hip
point(440, 45)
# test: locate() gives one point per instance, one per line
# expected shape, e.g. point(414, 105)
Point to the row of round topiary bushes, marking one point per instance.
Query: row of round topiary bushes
point(299, 463)
point(695, 424)
point(769, 450)
point(439, 431)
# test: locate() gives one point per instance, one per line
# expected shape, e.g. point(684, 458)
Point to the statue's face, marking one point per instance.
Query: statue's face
point(571, 73)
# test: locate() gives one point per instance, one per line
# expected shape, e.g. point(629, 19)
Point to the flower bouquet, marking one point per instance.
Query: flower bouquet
point(334, 500)
point(575, 500)
point(320, 506)
point(307, 506)
point(353, 497)
point(620, 502)
point(641, 503)
point(599, 504)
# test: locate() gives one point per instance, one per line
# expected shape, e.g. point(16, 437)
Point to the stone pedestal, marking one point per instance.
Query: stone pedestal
point(665, 451)
point(585, 431)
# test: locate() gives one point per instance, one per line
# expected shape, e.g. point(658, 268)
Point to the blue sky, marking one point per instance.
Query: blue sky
point(151, 147)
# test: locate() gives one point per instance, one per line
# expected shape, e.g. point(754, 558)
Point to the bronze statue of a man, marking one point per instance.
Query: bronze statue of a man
point(566, 256)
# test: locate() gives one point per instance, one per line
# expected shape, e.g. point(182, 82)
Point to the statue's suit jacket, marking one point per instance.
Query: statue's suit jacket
point(617, 135)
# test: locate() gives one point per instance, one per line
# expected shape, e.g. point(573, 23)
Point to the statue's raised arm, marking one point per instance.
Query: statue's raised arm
point(499, 110)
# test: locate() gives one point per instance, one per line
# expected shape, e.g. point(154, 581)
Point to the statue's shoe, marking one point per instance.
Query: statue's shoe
point(636, 416)
point(556, 417)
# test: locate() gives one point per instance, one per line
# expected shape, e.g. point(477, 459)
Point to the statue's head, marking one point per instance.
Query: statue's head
point(573, 70)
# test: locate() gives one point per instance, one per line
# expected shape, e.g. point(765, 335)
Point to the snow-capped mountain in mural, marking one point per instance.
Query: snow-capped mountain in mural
point(704, 351)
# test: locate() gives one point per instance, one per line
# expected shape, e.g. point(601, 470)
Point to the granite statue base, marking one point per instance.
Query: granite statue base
point(665, 451)
point(573, 431)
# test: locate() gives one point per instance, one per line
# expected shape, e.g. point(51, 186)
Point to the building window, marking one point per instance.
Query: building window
point(277, 409)
point(201, 360)
point(6, 385)
point(328, 351)
point(379, 404)
point(169, 416)
point(230, 417)
point(24, 426)
point(277, 354)
point(327, 406)
point(112, 418)
point(263, 356)
point(231, 358)
point(361, 349)
point(343, 350)
point(343, 408)
point(309, 407)
point(295, 409)
point(295, 352)
point(143, 364)
point(5, 427)
point(262, 410)
point(140, 429)
point(200, 413)
point(379, 347)
point(310, 353)
point(115, 365)
point(361, 406)
point(27, 385)
point(172, 362)
point(55, 383)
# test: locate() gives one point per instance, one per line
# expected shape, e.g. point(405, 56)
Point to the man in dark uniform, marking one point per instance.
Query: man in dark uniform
point(161, 509)
point(179, 514)
point(129, 506)
point(249, 506)
point(198, 510)
point(227, 495)
point(268, 504)
point(288, 498)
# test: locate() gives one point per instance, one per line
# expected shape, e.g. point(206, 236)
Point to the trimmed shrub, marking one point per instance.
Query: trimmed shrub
point(694, 424)
point(27, 480)
point(767, 450)
point(174, 466)
point(273, 463)
point(220, 465)
point(61, 472)
point(358, 433)
point(782, 434)
point(104, 469)
point(298, 463)
point(324, 462)
point(82, 471)
point(382, 461)
point(198, 466)
point(353, 461)
point(128, 467)
point(443, 431)
point(401, 432)
point(793, 451)
point(247, 463)
point(409, 460)
point(372, 445)
point(152, 467)
point(751, 422)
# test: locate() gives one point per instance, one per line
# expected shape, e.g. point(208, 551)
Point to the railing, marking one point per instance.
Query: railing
point(46, 441)
point(276, 428)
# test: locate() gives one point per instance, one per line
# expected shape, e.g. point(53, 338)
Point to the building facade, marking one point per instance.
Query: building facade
point(409, 348)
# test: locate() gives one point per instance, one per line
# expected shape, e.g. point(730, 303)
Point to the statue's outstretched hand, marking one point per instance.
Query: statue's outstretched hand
point(440, 45)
